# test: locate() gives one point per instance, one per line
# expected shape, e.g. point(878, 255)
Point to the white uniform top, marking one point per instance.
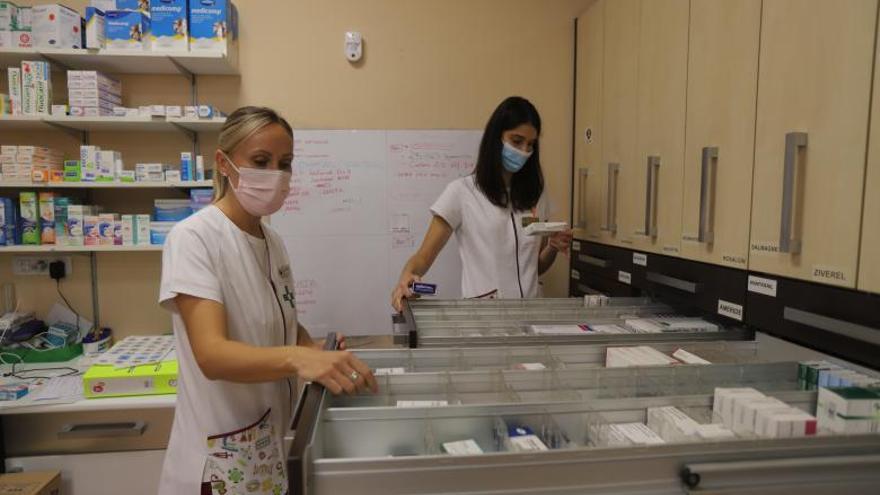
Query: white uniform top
point(209, 257)
point(488, 238)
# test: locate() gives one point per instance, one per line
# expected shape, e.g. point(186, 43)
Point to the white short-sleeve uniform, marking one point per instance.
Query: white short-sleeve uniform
point(498, 259)
point(220, 424)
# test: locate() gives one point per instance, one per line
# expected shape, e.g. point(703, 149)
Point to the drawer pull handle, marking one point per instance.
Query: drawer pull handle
point(592, 260)
point(675, 283)
point(102, 430)
point(833, 325)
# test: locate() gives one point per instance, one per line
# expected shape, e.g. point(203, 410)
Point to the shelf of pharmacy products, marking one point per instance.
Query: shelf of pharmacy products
point(77, 249)
point(107, 185)
point(109, 124)
point(128, 61)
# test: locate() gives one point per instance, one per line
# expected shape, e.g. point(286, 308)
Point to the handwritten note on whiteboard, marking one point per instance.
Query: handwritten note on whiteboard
point(358, 209)
point(338, 184)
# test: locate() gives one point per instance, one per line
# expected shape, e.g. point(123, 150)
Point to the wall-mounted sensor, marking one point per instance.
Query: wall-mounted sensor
point(354, 46)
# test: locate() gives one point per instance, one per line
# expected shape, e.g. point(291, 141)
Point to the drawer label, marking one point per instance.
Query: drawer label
point(730, 310)
point(594, 236)
point(422, 403)
point(389, 371)
point(575, 275)
point(690, 238)
point(640, 259)
point(829, 274)
point(670, 249)
point(734, 259)
point(624, 277)
point(765, 247)
point(626, 241)
point(575, 245)
point(760, 285)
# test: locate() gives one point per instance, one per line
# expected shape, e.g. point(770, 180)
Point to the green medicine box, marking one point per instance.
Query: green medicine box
point(72, 171)
point(148, 379)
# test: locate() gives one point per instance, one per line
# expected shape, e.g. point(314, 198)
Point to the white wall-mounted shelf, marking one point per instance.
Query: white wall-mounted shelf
point(107, 185)
point(77, 249)
point(109, 124)
point(23, 123)
point(128, 61)
point(199, 125)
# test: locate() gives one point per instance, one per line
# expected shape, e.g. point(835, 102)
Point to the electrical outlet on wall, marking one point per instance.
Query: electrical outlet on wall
point(36, 265)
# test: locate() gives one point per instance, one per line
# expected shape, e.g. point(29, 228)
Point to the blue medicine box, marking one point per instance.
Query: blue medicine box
point(169, 29)
point(212, 24)
point(126, 30)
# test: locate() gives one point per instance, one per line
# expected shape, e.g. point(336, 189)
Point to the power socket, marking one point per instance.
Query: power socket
point(35, 265)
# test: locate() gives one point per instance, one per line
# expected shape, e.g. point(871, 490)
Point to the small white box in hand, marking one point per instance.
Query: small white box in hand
point(544, 228)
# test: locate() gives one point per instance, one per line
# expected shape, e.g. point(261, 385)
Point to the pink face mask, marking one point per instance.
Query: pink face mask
point(260, 192)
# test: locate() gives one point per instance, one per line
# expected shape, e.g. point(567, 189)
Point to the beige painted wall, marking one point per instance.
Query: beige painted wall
point(427, 64)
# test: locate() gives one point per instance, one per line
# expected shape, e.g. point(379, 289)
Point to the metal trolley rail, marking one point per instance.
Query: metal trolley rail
point(505, 322)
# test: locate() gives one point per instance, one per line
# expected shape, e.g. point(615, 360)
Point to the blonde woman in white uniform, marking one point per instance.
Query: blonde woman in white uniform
point(227, 282)
point(487, 211)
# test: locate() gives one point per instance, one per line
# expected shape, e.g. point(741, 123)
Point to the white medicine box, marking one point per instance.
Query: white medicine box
point(8, 16)
point(56, 26)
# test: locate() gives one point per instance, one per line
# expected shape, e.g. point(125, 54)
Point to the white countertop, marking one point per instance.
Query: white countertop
point(106, 404)
point(26, 405)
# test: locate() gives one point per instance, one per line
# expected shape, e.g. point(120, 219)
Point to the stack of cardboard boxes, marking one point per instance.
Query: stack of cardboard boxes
point(29, 163)
point(748, 411)
point(92, 93)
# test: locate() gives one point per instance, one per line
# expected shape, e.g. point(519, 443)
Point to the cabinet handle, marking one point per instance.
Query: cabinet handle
point(651, 181)
point(611, 199)
point(102, 430)
point(582, 192)
point(793, 142)
point(706, 231)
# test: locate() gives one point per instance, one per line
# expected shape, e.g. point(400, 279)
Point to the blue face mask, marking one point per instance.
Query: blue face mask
point(513, 159)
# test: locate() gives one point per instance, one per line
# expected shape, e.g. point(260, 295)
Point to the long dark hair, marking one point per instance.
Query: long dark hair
point(526, 185)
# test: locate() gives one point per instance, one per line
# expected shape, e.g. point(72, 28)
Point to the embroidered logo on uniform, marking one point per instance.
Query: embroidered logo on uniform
point(284, 272)
point(289, 297)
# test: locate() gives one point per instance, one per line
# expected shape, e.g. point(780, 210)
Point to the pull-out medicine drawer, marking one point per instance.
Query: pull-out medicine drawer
point(401, 450)
point(87, 431)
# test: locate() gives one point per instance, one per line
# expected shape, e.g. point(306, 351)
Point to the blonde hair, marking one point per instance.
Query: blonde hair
point(241, 125)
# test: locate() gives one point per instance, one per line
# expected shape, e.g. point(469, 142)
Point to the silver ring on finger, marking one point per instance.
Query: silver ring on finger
point(354, 375)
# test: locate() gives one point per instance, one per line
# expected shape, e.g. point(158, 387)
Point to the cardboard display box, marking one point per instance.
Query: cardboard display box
point(31, 483)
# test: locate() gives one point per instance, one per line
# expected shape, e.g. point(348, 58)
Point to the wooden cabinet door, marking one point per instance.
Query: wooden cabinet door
point(662, 92)
point(620, 118)
point(589, 175)
point(869, 255)
point(814, 85)
point(722, 89)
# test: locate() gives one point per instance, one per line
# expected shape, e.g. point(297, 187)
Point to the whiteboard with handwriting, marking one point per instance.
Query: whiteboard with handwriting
point(358, 209)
